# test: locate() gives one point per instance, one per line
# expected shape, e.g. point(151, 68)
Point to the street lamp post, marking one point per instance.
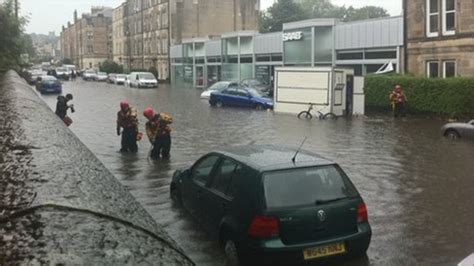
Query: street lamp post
point(143, 37)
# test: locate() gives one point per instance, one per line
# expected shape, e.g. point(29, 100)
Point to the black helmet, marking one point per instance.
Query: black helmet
point(69, 96)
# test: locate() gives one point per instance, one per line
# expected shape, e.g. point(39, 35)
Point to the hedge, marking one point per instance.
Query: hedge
point(452, 96)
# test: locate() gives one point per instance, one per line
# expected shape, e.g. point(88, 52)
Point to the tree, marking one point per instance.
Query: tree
point(11, 41)
point(67, 61)
point(322, 9)
point(282, 11)
point(367, 12)
point(110, 66)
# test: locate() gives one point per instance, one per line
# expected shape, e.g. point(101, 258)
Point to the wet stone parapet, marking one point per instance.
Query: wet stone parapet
point(58, 203)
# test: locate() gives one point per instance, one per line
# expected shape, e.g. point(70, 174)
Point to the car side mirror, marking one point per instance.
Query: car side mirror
point(187, 173)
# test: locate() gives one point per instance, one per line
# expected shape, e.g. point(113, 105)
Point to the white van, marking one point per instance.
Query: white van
point(143, 80)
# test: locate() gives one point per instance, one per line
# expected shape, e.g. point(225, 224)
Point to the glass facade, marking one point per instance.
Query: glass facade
point(323, 45)
point(298, 51)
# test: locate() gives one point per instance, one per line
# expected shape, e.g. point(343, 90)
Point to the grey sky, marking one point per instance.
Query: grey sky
point(50, 15)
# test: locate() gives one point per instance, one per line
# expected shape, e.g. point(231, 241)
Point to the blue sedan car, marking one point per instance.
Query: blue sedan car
point(240, 97)
point(49, 84)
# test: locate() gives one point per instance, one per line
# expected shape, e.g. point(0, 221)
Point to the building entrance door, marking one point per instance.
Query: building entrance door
point(349, 94)
point(199, 81)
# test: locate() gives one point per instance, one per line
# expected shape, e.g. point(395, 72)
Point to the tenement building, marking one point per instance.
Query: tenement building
point(88, 42)
point(439, 37)
point(143, 30)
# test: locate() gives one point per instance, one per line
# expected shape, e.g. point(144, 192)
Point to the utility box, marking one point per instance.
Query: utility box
point(331, 89)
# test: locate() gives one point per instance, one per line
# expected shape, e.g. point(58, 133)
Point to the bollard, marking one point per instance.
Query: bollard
point(58, 203)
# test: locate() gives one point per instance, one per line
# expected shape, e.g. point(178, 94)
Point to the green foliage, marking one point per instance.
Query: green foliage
point(67, 61)
point(453, 96)
point(367, 12)
point(154, 71)
point(11, 37)
point(109, 66)
point(284, 11)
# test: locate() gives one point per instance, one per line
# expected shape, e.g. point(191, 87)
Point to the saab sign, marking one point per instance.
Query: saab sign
point(292, 36)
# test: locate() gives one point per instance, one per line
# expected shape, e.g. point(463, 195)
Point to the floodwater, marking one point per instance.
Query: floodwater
point(418, 186)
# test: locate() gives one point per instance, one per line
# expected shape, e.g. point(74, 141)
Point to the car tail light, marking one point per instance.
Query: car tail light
point(264, 227)
point(362, 216)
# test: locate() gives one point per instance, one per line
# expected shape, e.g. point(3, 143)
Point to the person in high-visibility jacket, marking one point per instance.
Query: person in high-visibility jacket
point(127, 119)
point(158, 131)
point(398, 101)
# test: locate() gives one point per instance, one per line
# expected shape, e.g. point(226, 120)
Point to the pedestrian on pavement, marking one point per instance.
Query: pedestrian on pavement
point(398, 101)
point(62, 106)
point(158, 131)
point(127, 120)
point(73, 75)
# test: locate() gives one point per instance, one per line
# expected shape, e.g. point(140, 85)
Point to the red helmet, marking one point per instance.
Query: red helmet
point(148, 112)
point(124, 105)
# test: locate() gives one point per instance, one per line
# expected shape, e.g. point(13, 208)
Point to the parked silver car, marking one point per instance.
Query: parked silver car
point(459, 130)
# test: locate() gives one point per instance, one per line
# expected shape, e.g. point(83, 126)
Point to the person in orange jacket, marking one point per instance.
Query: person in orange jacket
point(158, 131)
point(128, 121)
point(398, 101)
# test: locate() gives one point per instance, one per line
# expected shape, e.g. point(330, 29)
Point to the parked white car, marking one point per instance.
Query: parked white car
point(101, 76)
point(143, 80)
point(89, 74)
point(120, 79)
point(215, 87)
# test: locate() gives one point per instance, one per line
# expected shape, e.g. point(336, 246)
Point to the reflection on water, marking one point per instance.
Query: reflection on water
point(419, 187)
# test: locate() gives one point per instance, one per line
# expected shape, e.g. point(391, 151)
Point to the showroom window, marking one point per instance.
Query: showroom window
point(432, 69)
point(449, 17)
point(449, 69)
point(432, 18)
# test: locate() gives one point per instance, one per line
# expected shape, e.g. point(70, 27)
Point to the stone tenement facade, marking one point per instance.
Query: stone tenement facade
point(88, 42)
point(143, 30)
point(440, 37)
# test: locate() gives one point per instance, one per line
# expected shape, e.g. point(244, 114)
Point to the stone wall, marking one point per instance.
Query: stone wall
point(459, 47)
point(58, 203)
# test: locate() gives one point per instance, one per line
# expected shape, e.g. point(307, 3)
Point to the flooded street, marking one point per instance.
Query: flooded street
point(418, 186)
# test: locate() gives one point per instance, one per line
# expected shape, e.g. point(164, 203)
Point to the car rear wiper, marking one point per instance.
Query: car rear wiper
point(321, 202)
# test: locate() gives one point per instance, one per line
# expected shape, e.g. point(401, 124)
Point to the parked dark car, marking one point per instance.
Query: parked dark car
point(240, 96)
point(459, 130)
point(49, 84)
point(265, 208)
point(259, 85)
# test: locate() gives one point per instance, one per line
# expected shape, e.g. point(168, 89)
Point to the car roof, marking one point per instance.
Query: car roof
point(270, 157)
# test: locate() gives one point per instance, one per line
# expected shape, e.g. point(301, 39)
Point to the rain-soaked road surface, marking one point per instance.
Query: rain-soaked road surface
point(419, 187)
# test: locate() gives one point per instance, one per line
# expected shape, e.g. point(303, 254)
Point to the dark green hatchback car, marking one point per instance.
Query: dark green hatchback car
point(265, 208)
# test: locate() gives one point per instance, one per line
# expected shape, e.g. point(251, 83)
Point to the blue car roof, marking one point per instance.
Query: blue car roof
point(270, 157)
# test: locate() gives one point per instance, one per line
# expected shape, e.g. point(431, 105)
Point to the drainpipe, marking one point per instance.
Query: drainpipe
point(238, 56)
point(405, 37)
point(313, 46)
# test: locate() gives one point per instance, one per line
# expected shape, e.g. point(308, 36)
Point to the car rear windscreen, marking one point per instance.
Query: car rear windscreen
point(306, 186)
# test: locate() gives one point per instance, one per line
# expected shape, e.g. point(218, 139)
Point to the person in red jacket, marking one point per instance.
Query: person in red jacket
point(158, 131)
point(127, 120)
point(398, 101)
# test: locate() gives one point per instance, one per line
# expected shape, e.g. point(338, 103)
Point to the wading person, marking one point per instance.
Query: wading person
point(398, 101)
point(158, 131)
point(127, 120)
point(62, 106)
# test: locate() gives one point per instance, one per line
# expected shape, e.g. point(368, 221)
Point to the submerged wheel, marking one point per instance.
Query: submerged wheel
point(175, 195)
point(329, 116)
point(259, 107)
point(452, 134)
point(219, 104)
point(231, 253)
point(305, 114)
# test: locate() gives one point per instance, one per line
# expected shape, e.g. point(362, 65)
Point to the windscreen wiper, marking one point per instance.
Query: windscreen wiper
point(321, 202)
